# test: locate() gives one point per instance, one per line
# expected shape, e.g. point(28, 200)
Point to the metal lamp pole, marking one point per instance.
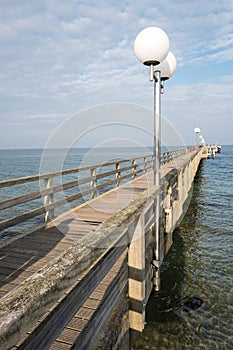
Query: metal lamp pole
point(157, 176)
point(151, 47)
point(157, 126)
point(197, 131)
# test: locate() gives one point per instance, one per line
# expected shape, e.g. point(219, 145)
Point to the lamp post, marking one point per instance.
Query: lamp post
point(197, 130)
point(202, 140)
point(151, 47)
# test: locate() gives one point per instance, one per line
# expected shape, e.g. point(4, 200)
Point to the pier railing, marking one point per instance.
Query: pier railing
point(89, 181)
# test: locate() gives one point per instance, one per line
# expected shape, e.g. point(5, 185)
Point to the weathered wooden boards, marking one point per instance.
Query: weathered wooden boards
point(61, 265)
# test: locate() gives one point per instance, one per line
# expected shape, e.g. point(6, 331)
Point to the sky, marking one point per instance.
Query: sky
point(60, 60)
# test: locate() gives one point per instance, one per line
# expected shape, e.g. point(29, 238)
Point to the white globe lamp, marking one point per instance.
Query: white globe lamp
point(167, 67)
point(197, 130)
point(151, 46)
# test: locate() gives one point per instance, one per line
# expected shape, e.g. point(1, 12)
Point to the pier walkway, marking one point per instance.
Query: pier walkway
point(60, 283)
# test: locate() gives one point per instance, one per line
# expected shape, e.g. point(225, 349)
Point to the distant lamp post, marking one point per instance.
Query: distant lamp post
point(197, 131)
point(151, 47)
point(202, 140)
point(167, 67)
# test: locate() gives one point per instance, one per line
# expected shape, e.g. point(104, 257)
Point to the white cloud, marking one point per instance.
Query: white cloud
point(57, 57)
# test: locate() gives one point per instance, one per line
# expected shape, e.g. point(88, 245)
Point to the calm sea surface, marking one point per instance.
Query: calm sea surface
point(194, 309)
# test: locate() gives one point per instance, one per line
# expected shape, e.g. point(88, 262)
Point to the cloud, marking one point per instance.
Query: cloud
point(205, 105)
point(58, 57)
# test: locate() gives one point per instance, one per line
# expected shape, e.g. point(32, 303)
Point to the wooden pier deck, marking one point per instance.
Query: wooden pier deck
point(24, 257)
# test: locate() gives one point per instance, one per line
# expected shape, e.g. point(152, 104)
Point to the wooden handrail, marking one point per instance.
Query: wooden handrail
point(95, 182)
point(21, 180)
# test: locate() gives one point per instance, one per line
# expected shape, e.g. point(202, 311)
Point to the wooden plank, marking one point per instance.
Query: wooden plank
point(31, 254)
point(13, 273)
point(19, 200)
point(21, 218)
point(91, 303)
point(17, 256)
point(2, 293)
point(16, 265)
point(90, 214)
point(77, 323)
point(50, 238)
point(59, 345)
point(68, 335)
point(16, 279)
point(43, 243)
point(44, 336)
point(85, 313)
point(42, 193)
point(81, 319)
point(41, 210)
point(89, 333)
point(32, 244)
point(7, 271)
point(112, 172)
point(17, 181)
point(7, 287)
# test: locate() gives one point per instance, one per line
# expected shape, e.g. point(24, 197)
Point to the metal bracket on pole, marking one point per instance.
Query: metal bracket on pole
point(151, 72)
point(162, 87)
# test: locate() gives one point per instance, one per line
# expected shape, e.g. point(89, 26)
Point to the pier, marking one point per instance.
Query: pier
point(82, 280)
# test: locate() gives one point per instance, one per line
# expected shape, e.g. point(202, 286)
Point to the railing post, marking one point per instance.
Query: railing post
point(134, 165)
point(118, 173)
point(162, 158)
point(93, 183)
point(48, 199)
point(170, 156)
point(145, 164)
